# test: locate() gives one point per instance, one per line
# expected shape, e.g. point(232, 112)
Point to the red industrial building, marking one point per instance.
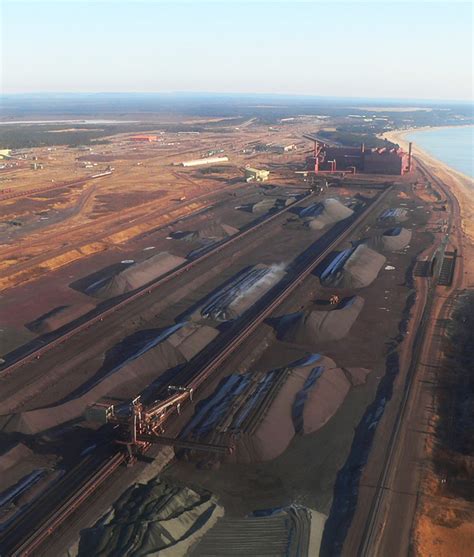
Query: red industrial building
point(327, 159)
point(386, 161)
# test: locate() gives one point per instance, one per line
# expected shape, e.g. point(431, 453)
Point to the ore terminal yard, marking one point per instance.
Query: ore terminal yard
point(79, 483)
point(334, 229)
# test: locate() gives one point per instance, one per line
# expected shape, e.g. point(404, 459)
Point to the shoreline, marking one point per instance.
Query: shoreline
point(399, 136)
point(461, 185)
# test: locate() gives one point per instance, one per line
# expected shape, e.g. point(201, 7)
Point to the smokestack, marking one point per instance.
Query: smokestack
point(409, 156)
point(316, 158)
point(362, 147)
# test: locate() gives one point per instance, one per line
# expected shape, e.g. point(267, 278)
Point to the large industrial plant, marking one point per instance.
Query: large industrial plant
point(380, 160)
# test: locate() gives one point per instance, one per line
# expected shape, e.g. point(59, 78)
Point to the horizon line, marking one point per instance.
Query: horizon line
point(242, 94)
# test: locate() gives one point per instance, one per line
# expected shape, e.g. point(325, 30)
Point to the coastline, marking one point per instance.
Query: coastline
point(446, 531)
point(460, 184)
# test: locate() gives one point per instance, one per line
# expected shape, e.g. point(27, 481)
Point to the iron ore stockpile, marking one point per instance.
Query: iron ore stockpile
point(320, 214)
point(58, 317)
point(27, 475)
point(322, 324)
point(393, 239)
point(240, 293)
point(261, 412)
point(353, 268)
point(215, 231)
point(281, 532)
point(267, 204)
point(127, 369)
point(174, 520)
point(256, 363)
point(328, 212)
point(397, 214)
point(137, 275)
point(151, 518)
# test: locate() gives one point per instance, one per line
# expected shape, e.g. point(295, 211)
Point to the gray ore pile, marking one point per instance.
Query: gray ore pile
point(393, 239)
point(138, 274)
point(259, 414)
point(312, 327)
point(141, 360)
point(359, 270)
point(332, 211)
point(239, 294)
point(169, 520)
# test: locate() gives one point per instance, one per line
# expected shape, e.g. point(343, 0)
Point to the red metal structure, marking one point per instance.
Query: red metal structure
point(383, 160)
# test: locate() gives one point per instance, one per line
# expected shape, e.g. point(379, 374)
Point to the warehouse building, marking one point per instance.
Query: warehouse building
point(256, 175)
point(199, 162)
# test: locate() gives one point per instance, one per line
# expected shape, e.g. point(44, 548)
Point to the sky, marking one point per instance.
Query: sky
point(419, 50)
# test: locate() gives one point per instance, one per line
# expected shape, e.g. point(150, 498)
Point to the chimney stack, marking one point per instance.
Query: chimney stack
point(409, 156)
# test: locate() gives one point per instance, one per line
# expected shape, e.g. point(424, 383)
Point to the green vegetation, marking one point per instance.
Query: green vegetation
point(454, 451)
point(27, 136)
point(352, 139)
point(18, 136)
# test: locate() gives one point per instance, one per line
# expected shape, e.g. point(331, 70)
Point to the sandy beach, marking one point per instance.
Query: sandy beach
point(460, 184)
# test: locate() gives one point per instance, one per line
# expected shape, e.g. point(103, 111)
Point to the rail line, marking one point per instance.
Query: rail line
point(55, 186)
point(202, 366)
point(34, 526)
point(367, 545)
point(147, 289)
point(52, 508)
point(128, 217)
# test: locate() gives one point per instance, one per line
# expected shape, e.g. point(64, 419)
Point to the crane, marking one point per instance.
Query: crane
point(138, 425)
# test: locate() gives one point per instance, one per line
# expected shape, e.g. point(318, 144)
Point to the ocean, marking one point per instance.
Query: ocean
point(453, 146)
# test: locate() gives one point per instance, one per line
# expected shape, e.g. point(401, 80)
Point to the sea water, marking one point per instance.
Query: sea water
point(453, 146)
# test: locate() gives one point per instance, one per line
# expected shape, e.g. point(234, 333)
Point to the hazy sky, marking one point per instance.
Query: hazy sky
point(375, 49)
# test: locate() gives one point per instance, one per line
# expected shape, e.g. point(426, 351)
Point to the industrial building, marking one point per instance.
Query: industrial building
point(386, 161)
point(285, 148)
point(207, 160)
point(383, 160)
point(278, 148)
point(256, 175)
point(273, 147)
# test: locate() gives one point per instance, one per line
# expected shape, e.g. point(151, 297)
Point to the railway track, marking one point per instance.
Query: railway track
point(109, 225)
point(47, 513)
point(204, 364)
point(371, 532)
point(55, 186)
point(38, 352)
